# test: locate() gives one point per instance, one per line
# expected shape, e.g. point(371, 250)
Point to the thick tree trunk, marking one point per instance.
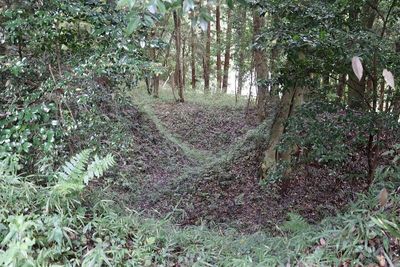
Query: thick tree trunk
point(260, 63)
point(193, 56)
point(290, 101)
point(178, 66)
point(227, 53)
point(156, 85)
point(356, 95)
point(219, 61)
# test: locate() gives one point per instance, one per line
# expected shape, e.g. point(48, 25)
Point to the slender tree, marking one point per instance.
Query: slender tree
point(184, 62)
point(206, 60)
point(178, 63)
point(193, 55)
point(242, 48)
point(260, 63)
point(218, 44)
point(227, 56)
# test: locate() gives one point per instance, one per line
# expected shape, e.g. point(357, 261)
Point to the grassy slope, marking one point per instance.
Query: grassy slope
point(353, 237)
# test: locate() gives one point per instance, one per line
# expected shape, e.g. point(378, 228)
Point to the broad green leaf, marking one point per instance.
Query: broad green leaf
point(133, 25)
point(148, 20)
point(126, 3)
point(161, 7)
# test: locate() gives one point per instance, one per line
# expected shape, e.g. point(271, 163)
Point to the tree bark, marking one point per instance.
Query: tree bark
point(156, 85)
point(356, 95)
point(242, 46)
point(227, 53)
point(396, 103)
point(219, 61)
point(382, 96)
point(193, 56)
point(260, 63)
point(155, 82)
point(290, 101)
point(206, 61)
point(178, 66)
point(183, 63)
point(340, 88)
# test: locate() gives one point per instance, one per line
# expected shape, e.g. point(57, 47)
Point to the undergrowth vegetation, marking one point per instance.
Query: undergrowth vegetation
point(50, 223)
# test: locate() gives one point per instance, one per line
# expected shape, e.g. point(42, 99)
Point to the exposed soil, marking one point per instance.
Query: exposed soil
point(203, 127)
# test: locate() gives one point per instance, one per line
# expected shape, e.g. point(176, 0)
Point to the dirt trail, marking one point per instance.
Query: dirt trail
point(205, 128)
point(226, 189)
point(202, 164)
point(167, 132)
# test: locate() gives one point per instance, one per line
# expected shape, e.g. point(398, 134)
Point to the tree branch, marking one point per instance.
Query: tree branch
point(385, 22)
point(375, 8)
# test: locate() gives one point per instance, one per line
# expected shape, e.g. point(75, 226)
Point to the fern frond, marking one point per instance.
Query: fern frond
point(75, 175)
point(66, 188)
point(98, 167)
point(75, 168)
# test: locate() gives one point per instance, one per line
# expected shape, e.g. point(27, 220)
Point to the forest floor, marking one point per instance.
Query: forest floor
point(197, 162)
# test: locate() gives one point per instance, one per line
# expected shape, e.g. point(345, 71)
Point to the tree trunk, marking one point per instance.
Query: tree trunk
point(290, 101)
point(156, 85)
point(274, 70)
point(219, 61)
point(193, 56)
point(227, 52)
point(206, 61)
point(242, 46)
point(382, 96)
point(155, 78)
point(340, 88)
point(356, 95)
point(178, 66)
point(183, 63)
point(396, 103)
point(58, 52)
point(260, 62)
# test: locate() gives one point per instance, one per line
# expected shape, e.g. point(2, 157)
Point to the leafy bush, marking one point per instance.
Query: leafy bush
point(328, 134)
